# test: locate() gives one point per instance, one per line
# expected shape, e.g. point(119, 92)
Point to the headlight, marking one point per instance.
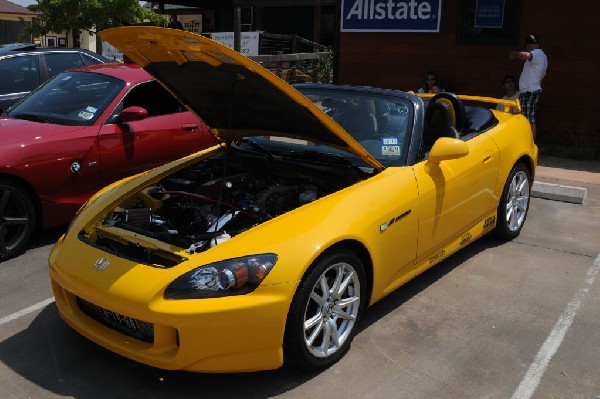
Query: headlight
point(237, 276)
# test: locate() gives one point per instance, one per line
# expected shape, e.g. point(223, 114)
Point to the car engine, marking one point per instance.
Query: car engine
point(211, 201)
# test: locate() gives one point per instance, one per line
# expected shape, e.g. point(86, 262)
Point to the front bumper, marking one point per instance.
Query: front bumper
point(231, 334)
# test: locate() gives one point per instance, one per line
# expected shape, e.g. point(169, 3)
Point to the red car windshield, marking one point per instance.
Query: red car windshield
point(70, 98)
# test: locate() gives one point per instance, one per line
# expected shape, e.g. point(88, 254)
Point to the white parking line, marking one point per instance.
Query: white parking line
point(26, 311)
point(537, 369)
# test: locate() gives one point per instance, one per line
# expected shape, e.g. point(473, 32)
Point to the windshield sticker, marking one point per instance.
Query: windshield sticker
point(390, 147)
point(91, 109)
point(389, 141)
point(85, 115)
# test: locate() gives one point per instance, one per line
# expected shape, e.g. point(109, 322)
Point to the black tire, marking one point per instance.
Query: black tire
point(514, 204)
point(316, 308)
point(17, 219)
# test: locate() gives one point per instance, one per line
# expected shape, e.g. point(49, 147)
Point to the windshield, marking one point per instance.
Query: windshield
point(380, 123)
point(70, 98)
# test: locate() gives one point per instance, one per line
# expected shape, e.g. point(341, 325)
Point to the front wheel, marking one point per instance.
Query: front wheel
point(514, 204)
point(17, 219)
point(325, 312)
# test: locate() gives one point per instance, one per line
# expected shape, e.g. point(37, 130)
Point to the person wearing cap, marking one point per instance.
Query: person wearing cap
point(530, 82)
point(511, 93)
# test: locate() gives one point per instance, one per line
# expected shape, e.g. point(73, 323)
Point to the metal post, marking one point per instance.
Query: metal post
point(237, 28)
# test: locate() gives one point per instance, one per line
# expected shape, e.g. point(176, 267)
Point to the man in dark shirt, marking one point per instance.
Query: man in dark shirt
point(175, 24)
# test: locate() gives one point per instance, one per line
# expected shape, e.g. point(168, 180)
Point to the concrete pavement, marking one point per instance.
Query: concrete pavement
point(565, 180)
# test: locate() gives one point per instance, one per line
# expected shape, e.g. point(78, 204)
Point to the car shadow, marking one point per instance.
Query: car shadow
point(45, 237)
point(415, 286)
point(35, 245)
point(57, 359)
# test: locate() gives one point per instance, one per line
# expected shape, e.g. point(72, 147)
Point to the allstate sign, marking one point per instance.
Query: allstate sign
point(391, 15)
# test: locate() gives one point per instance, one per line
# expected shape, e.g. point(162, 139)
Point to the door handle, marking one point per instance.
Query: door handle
point(488, 155)
point(190, 127)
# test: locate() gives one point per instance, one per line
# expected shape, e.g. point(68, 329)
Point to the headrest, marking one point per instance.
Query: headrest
point(438, 116)
point(438, 123)
point(456, 108)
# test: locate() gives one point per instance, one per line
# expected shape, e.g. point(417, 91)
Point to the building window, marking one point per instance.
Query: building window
point(488, 21)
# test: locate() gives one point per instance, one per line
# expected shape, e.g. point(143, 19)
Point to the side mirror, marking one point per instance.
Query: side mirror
point(446, 148)
point(133, 113)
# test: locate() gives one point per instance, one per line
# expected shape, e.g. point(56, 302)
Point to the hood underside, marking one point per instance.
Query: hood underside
point(232, 94)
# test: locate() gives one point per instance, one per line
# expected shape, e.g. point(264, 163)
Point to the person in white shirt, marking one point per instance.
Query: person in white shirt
point(530, 82)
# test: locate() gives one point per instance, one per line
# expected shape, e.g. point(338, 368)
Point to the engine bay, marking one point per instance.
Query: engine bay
point(213, 200)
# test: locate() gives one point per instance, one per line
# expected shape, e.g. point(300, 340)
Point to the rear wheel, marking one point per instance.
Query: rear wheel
point(17, 219)
point(325, 311)
point(514, 204)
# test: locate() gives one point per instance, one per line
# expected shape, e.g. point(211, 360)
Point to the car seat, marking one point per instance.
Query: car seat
point(456, 107)
point(438, 123)
point(359, 121)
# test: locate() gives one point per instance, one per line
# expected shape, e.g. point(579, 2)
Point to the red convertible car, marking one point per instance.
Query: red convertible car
point(82, 130)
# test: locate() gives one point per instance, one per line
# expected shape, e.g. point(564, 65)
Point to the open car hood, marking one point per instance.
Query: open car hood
point(232, 94)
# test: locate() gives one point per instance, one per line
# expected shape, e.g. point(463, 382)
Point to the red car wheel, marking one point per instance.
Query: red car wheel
point(17, 219)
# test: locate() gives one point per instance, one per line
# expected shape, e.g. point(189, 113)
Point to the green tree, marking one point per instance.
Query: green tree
point(89, 15)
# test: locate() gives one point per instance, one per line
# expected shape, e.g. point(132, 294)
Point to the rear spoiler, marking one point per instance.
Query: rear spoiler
point(509, 105)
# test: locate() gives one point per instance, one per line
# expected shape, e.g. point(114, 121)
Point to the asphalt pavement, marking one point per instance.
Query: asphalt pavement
point(496, 320)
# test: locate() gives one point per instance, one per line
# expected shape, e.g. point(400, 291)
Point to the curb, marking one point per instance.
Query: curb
point(558, 192)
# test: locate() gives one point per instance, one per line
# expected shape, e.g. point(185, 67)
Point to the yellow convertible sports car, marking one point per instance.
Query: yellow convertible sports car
point(267, 248)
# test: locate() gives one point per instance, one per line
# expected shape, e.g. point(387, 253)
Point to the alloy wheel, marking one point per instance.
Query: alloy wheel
point(16, 220)
point(517, 201)
point(332, 310)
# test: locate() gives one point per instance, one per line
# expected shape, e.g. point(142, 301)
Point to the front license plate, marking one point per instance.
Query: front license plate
point(119, 319)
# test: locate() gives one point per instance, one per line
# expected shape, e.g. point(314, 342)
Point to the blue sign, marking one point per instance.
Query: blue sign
point(489, 14)
point(391, 15)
